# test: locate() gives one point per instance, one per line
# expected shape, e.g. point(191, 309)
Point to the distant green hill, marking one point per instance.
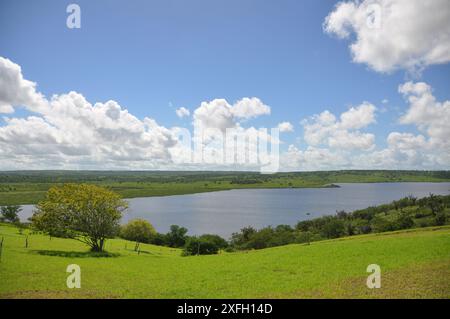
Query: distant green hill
point(414, 264)
point(28, 187)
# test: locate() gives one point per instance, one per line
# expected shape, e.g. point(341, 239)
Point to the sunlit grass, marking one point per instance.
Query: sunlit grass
point(333, 268)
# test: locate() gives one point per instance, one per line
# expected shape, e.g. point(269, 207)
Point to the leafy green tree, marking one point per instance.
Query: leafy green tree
point(404, 221)
point(159, 239)
point(304, 237)
point(10, 213)
point(138, 230)
point(334, 228)
point(382, 223)
point(176, 237)
point(241, 238)
point(85, 212)
point(200, 246)
point(216, 240)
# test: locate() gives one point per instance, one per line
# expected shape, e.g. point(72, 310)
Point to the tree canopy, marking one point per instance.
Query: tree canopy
point(10, 213)
point(85, 212)
point(138, 230)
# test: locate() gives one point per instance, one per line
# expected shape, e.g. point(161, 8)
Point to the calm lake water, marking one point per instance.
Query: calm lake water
point(226, 212)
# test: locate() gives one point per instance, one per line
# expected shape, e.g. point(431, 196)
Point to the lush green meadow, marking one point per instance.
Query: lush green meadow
point(29, 187)
point(414, 264)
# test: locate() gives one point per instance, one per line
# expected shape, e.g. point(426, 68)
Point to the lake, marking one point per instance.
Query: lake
point(226, 212)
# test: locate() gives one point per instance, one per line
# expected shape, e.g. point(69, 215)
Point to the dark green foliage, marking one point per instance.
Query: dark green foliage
point(202, 245)
point(334, 228)
point(216, 240)
point(405, 213)
point(176, 237)
point(10, 213)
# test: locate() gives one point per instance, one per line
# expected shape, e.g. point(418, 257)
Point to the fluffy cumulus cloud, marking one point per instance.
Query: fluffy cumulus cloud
point(69, 131)
point(339, 143)
point(218, 125)
point(15, 90)
point(394, 34)
point(285, 127)
point(219, 114)
point(428, 149)
point(325, 129)
point(430, 116)
point(182, 112)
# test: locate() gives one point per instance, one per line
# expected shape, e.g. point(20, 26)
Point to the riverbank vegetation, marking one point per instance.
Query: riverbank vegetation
point(29, 187)
point(409, 212)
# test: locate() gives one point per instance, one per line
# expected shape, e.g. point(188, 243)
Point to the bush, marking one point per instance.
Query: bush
point(404, 221)
point(10, 213)
point(334, 228)
point(159, 240)
point(200, 246)
point(441, 218)
point(216, 239)
point(138, 230)
point(176, 237)
point(382, 223)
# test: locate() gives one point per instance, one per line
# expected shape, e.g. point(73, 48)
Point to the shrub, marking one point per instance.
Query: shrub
point(159, 239)
point(138, 230)
point(200, 246)
point(216, 239)
point(382, 223)
point(10, 213)
point(333, 229)
point(176, 237)
point(404, 221)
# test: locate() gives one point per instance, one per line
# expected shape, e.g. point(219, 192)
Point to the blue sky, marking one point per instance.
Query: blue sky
point(155, 56)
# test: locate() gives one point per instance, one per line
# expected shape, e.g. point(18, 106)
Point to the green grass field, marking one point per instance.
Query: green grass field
point(29, 187)
point(414, 264)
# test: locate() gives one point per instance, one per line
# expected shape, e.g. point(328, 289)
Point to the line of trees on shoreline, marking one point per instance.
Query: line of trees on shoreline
point(408, 212)
point(91, 214)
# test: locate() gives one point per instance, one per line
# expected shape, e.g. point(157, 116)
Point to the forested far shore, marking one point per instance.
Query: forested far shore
point(29, 187)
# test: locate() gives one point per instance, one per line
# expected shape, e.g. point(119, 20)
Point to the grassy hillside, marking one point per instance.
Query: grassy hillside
point(414, 264)
point(28, 187)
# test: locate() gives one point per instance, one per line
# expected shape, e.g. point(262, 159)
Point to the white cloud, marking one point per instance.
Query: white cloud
point(359, 117)
point(15, 90)
point(325, 129)
point(219, 114)
point(69, 131)
point(182, 112)
point(394, 34)
point(430, 150)
point(249, 108)
point(430, 116)
point(6, 108)
point(285, 127)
